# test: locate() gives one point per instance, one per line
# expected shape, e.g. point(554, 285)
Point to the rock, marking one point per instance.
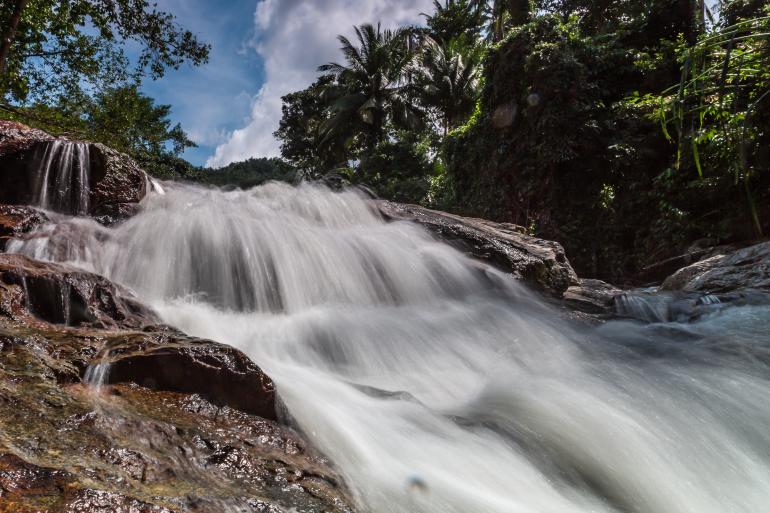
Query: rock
point(747, 268)
point(57, 294)
point(27, 488)
point(16, 220)
point(158, 357)
point(116, 183)
point(540, 263)
point(592, 296)
point(221, 374)
point(161, 447)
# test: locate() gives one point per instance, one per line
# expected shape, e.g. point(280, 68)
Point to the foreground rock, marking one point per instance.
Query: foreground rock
point(747, 268)
point(115, 183)
point(16, 220)
point(180, 424)
point(540, 263)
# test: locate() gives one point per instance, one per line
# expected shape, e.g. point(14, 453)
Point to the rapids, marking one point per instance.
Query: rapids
point(436, 384)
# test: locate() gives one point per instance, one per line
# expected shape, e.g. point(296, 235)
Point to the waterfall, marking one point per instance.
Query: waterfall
point(63, 175)
point(434, 383)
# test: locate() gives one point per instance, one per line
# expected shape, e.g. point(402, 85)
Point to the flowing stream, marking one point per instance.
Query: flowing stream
point(434, 383)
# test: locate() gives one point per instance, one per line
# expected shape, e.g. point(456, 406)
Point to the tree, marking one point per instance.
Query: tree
point(59, 47)
point(371, 87)
point(303, 114)
point(122, 118)
point(455, 20)
point(448, 80)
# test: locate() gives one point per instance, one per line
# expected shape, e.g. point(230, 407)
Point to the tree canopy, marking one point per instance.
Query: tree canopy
point(54, 48)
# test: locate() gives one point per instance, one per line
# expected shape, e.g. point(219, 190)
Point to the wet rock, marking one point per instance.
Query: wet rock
point(747, 268)
point(28, 488)
point(219, 373)
point(115, 180)
point(539, 262)
point(120, 184)
point(69, 447)
point(58, 294)
point(17, 220)
point(591, 296)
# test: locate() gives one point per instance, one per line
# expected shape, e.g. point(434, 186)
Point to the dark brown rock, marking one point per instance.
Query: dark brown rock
point(115, 180)
point(539, 262)
point(17, 220)
point(221, 374)
point(58, 294)
point(731, 270)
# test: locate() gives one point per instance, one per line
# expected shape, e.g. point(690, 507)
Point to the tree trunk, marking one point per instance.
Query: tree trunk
point(10, 34)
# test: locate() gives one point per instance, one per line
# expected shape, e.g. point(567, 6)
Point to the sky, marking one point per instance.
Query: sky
point(261, 50)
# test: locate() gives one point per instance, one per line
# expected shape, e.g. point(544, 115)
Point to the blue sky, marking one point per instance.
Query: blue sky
point(212, 100)
point(261, 50)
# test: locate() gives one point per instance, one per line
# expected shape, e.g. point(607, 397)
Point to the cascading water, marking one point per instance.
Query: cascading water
point(63, 177)
point(436, 384)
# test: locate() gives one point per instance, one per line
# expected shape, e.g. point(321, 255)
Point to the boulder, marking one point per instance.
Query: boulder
point(731, 270)
point(538, 262)
point(220, 374)
point(115, 181)
point(58, 294)
point(592, 296)
point(17, 220)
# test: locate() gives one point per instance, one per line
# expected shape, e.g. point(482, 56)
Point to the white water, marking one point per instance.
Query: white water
point(433, 383)
point(63, 177)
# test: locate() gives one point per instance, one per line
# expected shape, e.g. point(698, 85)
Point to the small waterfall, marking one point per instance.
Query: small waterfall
point(63, 177)
point(644, 307)
point(97, 373)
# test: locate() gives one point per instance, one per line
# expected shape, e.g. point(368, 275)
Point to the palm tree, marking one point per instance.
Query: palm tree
point(448, 80)
point(372, 86)
point(456, 19)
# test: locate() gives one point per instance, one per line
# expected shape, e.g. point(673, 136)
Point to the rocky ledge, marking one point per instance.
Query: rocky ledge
point(727, 270)
point(116, 182)
point(540, 263)
point(176, 423)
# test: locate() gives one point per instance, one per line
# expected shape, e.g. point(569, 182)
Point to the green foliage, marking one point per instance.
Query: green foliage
point(122, 118)
point(370, 91)
point(246, 174)
point(64, 47)
point(718, 113)
point(559, 115)
point(552, 137)
point(304, 115)
point(447, 80)
point(399, 170)
point(456, 21)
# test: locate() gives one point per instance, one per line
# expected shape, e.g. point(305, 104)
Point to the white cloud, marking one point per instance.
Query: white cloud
point(294, 38)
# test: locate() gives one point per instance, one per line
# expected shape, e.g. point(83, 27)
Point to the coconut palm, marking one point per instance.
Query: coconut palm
point(448, 80)
point(456, 19)
point(371, 86)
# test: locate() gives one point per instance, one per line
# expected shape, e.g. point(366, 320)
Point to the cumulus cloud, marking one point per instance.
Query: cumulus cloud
point(293, 38)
